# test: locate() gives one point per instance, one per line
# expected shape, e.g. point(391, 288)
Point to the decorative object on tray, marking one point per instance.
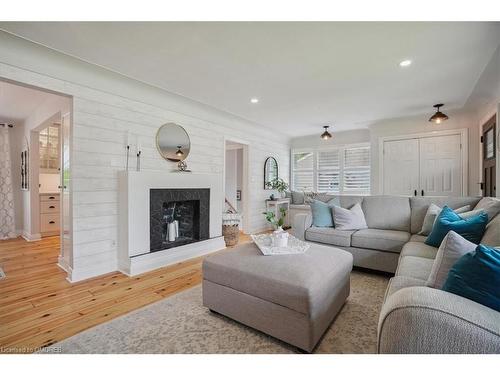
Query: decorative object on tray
point(280, 237)
point(230, 227)
point(267, 245)
point(277, 184)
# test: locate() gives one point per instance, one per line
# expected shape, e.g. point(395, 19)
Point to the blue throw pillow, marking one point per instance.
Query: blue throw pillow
point(471, 229)
point(476, 276)
point(322, 213)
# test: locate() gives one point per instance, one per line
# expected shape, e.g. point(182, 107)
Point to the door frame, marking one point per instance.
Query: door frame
point(245, 188)
point(464, 142)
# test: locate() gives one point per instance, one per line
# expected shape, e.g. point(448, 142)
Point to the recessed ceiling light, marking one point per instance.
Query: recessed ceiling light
point(254, 100)
point(405, 63)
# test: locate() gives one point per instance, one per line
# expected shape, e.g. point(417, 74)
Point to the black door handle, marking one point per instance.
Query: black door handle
point(52, 206)
point(52, 222)
point(52, 198)
point(422, 192)
point(415, 192)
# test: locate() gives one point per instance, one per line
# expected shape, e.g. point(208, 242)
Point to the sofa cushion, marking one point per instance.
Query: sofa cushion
point(304, 207)
point(450, 250)
point(349, 219)
point(399, 282)
point(417, 238)
point(347, 201)
point(476, 276)
point(321, 213)
point(472, 228)
point(491, 236)
point(416, 267)
point(490, 205)
point(418, 249)
point(387, 212)
point(297, 197)
point(380, 239)
point(329, 236)
point(419, 206)
point(431, 215)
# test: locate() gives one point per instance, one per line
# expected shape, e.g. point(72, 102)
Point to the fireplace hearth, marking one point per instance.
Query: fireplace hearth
point(178, 217)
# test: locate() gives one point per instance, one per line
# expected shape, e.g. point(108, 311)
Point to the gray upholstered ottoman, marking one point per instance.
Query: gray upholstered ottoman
point(291, 297)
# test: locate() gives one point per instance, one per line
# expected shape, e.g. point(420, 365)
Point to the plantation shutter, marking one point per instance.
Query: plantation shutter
point(356, 174)
point(303, 171)
point(328, 176)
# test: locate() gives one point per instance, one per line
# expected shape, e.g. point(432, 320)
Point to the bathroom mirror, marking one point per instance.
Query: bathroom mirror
point(173, 142)
point(270, 172)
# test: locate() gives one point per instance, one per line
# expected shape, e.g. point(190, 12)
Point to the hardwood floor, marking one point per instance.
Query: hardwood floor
point(39, 307)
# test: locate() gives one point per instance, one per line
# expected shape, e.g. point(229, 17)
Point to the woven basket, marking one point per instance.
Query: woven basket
point(231, 234)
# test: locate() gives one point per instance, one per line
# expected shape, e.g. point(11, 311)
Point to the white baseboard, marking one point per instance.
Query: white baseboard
point(31, 237)
point(79, 274)
point(151, 261)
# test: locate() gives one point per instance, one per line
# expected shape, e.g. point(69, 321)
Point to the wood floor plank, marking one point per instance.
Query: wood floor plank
point(39, 307)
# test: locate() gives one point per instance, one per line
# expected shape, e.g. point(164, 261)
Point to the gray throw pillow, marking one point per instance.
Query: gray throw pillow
point(453, 247)
point(489, 205)
point(492, 235)
point(352, 219)
point(432, 213)
point(297, 197)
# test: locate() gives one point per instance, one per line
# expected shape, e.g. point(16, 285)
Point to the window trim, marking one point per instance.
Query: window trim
point(341, 149)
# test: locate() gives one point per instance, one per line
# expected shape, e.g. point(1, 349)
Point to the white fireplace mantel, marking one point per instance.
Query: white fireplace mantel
point(134, 254)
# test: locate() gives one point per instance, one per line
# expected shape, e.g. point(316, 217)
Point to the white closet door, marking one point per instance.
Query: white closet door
point(401, 165)
point(441, 165)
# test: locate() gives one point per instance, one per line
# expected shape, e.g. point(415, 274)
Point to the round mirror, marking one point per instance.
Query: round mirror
point(172, 142)
point(270, 172)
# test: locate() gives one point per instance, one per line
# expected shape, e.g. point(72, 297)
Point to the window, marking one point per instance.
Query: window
point(303, 167)
point(339, 170)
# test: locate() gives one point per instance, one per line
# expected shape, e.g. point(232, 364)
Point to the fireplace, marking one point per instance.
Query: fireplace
point(178, 217)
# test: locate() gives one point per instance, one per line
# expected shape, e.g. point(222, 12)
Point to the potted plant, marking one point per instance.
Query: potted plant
point(278, 184)
point(279, 237)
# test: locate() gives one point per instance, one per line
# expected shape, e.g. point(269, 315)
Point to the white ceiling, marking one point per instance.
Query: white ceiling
point(305, 74)
point(17, 102)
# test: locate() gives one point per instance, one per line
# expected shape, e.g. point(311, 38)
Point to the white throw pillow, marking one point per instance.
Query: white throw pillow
point(351, 219)
point(432, 213)
point(453, 247)
point(489, 205)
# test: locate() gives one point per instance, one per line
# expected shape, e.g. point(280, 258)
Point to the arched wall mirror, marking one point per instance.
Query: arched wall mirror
point(270, 172)
point(172, 142)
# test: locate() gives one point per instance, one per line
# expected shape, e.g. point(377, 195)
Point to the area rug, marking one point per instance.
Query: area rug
point(180, 324)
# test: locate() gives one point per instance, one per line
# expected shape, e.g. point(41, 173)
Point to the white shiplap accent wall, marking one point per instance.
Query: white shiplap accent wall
point(101, 119)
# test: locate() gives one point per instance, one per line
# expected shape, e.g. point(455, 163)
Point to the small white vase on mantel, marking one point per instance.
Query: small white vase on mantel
point(280, 237)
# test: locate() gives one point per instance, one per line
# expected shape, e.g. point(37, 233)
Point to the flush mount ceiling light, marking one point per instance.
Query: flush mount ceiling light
point(439, 116)
point(326, 135)
point(254, 100)
point(179, 152)
point(405, 63)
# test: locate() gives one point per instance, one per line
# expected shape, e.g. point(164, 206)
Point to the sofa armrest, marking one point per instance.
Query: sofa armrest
point(301, 222)
point(426, 320)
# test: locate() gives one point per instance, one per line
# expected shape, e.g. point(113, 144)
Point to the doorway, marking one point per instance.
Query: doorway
point(39, 154)
point(236, 191)
point(489, 147)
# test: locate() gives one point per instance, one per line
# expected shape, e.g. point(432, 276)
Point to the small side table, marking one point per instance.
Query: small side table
point(275, 205)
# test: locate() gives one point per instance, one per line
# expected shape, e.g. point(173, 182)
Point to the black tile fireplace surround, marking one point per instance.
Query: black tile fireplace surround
point(191, 209)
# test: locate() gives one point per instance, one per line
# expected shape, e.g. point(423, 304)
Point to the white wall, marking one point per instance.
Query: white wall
point(420, 124)
point(106, 106)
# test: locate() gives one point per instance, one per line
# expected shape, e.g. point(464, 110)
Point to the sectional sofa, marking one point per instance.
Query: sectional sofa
point(414, 318)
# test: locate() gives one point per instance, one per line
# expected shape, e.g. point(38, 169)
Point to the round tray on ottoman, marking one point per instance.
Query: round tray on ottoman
point(291, 297)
